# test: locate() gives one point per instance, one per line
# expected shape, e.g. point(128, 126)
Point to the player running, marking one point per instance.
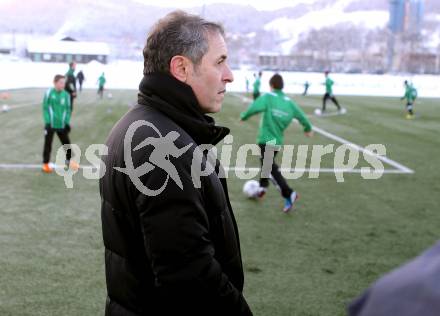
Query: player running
point(306, 88)
point(329, 93)
point(277, 111)
point(256, 86)
point(101, 82)
point(410, 96)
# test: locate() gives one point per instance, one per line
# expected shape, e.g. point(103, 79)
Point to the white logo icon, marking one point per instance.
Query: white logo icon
point(164, 147)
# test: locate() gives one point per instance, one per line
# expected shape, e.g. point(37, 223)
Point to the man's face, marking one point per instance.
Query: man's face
point(209, 78)
point(59, 85)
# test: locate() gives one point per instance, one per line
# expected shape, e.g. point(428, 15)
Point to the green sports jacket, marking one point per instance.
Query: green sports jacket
point(410, 94)
point(101, 81)
point(278, 111)
point(329, 85)
point(56, 108)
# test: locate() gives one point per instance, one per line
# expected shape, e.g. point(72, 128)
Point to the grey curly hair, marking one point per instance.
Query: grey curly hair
point(178, 33)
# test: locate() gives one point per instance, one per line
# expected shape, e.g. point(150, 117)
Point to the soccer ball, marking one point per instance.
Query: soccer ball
point(5, 108)
point(251, 189)
point(318, 112)
point(109, 95)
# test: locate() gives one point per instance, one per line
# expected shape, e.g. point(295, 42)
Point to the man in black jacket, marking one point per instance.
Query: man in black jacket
point(71, 83)
point(170, 236)
point(80, 77)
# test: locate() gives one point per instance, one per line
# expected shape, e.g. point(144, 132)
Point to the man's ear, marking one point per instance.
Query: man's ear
point(179, 67)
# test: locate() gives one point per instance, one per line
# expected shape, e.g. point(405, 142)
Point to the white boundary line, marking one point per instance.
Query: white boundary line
point(13, 107)
point(242, 97)
point(317, 170)
point(24, 105)
point(18, 106)
point(242, 169)
point(341, 140)
point(329, 114)
point(37, 166)
point(400, 168)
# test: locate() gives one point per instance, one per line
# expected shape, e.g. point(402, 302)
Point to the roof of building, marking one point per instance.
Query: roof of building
point(68, 47)
point(6, 41)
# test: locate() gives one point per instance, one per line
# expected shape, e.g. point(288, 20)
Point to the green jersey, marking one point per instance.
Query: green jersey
point(410, 94)
point(101, 81)
point(257, 84)
point(329, 86)
point(277, 110)
point(70, 72)
point(56, 108)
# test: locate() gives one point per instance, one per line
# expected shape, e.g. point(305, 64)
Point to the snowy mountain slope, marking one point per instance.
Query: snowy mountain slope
point(124, 24)
point(292, 29)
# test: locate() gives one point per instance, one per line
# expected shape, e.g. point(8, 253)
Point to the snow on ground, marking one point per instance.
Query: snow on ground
point(127, 75)
point(21, 74)
point(346, 84)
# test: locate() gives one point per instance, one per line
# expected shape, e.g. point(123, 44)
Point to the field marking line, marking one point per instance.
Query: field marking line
point(243, 98)
point(319, 170)
point(37, 166)
point(385, 159)
point(24, 105)
point(328, 114)
point(86, 101)
point(395, 164)
point(242, 169)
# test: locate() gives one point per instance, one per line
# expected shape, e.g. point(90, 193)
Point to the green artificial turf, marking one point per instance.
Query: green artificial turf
point(342, 236)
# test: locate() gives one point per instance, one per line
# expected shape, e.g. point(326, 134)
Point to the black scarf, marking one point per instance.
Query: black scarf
point(176, 100)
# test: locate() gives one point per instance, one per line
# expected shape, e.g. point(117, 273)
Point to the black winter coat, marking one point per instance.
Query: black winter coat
point(178, 252)
point(70, 86)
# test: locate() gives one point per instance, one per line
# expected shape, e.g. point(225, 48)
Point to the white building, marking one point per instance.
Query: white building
point(67, 50)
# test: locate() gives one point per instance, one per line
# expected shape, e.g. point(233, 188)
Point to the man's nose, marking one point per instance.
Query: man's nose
point(227, 75)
